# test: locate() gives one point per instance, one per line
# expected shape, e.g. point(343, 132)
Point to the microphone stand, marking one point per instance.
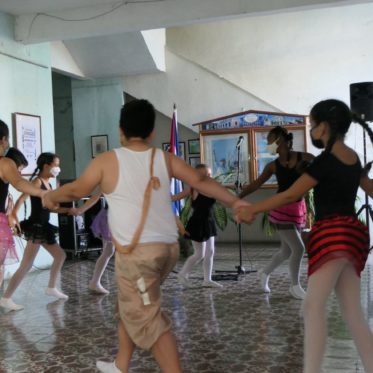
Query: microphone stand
point(240, 270)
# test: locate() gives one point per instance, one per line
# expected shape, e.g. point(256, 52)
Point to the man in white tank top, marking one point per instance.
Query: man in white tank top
point(145, 234)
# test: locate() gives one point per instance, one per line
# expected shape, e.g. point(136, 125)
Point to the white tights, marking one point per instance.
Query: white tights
point(292, 248)
point(202, 250)
point(338, 275)
point(28, 258)
point(101, 263)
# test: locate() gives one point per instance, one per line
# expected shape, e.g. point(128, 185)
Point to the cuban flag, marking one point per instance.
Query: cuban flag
point(176, 185)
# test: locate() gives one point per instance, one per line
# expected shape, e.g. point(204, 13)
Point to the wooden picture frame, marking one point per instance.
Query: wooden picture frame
point(194, 161)
point(27, 138)
point(219, 152)
point(99, 144)
point(261, 157)
point(194, 146)
point(166, 146)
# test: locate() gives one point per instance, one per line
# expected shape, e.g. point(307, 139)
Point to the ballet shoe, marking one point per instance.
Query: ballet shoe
point(54, 292)
point(211, 284)
point(183, 280)
point(98, 289)
point(9, 305)
point(264, 278)
point(106, 367)
point(297, 292)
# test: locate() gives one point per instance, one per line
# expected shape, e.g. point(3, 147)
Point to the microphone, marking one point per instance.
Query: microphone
point(239, 142)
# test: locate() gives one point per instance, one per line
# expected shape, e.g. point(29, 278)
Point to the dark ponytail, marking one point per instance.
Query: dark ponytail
point(43, 159)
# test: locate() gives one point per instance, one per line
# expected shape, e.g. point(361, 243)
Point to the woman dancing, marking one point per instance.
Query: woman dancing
point(201, 229)
point(100, 229)
point(338, 244)
point(38, 232)
point(289, 219)
point(9, 174)
point(8, 253)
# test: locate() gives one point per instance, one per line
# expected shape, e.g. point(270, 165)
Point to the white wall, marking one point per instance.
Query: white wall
point(26, 87)
point(96, 109)
point(199, 94)
point(289, 60)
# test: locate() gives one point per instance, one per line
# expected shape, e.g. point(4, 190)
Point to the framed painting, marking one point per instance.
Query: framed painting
point(194, 161)
point(223, 155)
point(99, 144)
point(193, 146)
point(166, 146)
point(27, 136)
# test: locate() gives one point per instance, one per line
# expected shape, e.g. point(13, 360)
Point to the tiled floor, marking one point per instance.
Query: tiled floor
point(234, 329)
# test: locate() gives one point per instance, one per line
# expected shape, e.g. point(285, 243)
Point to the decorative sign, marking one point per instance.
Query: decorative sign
point(252, 119)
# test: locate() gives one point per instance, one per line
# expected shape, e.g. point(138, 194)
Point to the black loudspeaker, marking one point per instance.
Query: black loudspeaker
point(361, 98)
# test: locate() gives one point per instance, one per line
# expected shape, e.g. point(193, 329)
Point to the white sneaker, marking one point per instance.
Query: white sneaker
point(264, 278)
point(106, 367)
point(211, 284)
point(297, 292)
point(9, 305)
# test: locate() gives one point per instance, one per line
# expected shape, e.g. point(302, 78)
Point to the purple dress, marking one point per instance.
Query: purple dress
point(100, 227)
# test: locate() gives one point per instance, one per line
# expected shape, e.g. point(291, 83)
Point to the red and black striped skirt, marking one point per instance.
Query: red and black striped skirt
point(338, 237)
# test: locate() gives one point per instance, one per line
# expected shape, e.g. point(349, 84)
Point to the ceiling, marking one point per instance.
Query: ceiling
point(18, 7)
point(92, 30)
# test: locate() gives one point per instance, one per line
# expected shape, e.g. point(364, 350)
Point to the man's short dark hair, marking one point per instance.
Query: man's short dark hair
point(137, 119)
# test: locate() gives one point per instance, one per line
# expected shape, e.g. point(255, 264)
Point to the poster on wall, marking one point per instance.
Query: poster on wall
point(220, 153)
point(27, 136)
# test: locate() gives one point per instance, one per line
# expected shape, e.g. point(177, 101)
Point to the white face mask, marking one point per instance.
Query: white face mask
point(55, 171)
point(272, 148)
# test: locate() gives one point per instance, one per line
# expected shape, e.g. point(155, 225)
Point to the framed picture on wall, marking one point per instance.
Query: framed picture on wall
point(27, 138)
point(194, 161)
point(261, 155)
point(166, 146)
point(193, 146)
point(221, 154)
point(99, 144)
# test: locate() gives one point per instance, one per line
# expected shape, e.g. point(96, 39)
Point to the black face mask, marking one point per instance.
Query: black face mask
point(317, 143)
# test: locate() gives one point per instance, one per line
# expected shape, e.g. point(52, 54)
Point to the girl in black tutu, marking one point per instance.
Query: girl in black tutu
point(201, 229)
point(38, 231)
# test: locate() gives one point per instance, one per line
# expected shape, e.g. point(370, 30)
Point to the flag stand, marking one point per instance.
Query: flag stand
point(240, 270)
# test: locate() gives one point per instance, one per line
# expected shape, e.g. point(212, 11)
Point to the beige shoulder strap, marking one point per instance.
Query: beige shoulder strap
point(153, 183)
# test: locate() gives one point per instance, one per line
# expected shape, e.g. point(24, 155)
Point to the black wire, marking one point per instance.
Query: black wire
point(122, 3)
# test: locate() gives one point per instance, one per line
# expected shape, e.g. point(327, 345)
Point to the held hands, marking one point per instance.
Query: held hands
point(74, 211)
point(245, 214)
point(242, 212)
point(14, 222)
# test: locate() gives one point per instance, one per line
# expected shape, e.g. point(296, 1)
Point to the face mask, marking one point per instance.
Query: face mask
point(317, 143)
point(272, 148)
point(55, 171)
